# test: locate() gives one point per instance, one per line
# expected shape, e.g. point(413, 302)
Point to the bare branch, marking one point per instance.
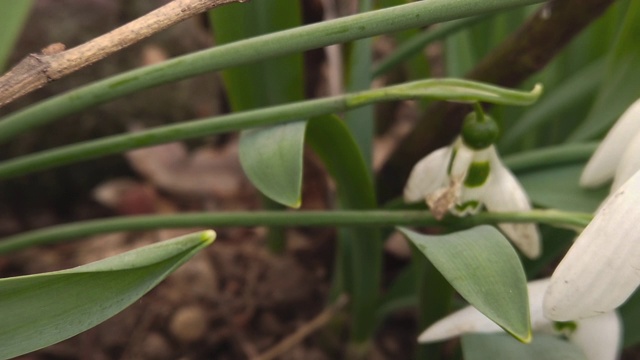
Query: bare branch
point(36, 70)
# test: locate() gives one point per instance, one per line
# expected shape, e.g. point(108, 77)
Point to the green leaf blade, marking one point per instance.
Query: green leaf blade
point(485, 269)
point(501, 347)
point(272, 159)
point(43, 309)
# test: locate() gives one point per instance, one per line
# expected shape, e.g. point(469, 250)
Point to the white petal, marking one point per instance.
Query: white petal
point(504, 193)
point(629, 163)
point(467, 320)
point(428, 175)
point(599, 336)
point(470, 320)
point(602, 165)
point(602, 268)
point(462, 158)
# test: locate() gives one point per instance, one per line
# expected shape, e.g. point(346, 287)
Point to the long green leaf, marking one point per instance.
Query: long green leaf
point(43, 309)
point(313, 36)
point(558, 188)
point(13, 15)
point(622, 79)
point(360, 121)
point(453, 89)
point(360, 249)
point(271, 157)
point(503, 347)
point(485, 269)
point(556, 105)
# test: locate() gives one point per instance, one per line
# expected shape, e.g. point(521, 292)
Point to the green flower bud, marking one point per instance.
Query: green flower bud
point(480, 133)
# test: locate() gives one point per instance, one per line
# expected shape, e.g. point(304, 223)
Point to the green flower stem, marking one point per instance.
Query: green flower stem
point(456, 89)
point(477, 108)
point(413, 15)
point(368, 218)
point(550, 156)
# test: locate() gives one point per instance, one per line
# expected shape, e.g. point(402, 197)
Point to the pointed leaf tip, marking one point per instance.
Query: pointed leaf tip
point(208, 237)
point(43, 309)
point(485, 269)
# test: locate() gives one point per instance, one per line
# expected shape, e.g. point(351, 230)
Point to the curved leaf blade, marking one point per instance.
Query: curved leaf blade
point(485, 269)
point(43, 309)
point(272, 159)
point(359, 258)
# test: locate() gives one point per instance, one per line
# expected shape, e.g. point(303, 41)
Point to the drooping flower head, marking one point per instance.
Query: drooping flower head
point(468, 175)
point(598, 337)
point(618, 155)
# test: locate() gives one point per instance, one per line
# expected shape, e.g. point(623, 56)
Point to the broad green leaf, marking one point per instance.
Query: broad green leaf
point(503, 347)
point(359, 260)
point(13, 15)
point(274, 168)
point(484, 268)
point(43, 309)
point(272, 159)
point(622, 79)
point(557, 187)
point(267, 82)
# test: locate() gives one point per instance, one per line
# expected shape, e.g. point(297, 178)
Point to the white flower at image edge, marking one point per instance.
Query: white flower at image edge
point(461, 180)
point(618, 155)
point(598, 337)
point(601, 270)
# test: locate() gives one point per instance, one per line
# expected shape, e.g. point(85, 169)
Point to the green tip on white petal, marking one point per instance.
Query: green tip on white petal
point(600, 270)
point(599, 336)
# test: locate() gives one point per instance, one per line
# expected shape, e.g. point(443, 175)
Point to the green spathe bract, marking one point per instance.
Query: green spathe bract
point(43, 309)
point(484, 268)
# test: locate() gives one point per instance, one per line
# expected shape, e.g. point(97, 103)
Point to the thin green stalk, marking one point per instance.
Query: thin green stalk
point(313, 36)
point(353, 218)
point(454, 89)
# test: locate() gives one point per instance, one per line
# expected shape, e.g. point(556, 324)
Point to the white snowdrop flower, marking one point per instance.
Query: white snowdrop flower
point(618, 155)
point(598, 337)
point(601, 270)
point(462, 178)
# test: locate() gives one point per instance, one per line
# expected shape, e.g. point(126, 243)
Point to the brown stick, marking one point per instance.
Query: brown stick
point(526, 52)
point(304, 331)
point(36, 70)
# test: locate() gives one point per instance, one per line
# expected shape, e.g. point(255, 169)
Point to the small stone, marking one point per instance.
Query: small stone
point(156, 347)
point(189, 324)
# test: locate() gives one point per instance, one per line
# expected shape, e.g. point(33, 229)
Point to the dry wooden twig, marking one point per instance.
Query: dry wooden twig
point(54, 62)
point(307, 329)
